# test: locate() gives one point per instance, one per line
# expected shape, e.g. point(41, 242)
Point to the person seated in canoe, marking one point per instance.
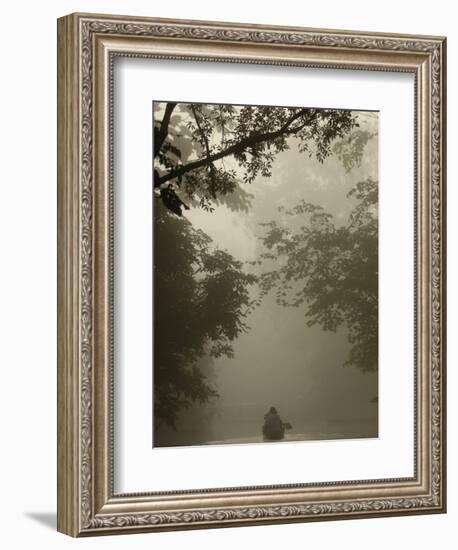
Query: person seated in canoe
point(273, 428)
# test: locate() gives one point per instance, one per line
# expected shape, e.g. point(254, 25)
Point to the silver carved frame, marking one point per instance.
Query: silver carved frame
point(87, 45)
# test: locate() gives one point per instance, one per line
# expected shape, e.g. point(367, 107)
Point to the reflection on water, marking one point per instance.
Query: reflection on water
point(292, 437)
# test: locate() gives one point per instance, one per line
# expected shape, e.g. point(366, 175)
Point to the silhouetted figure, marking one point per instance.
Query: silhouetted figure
point(273, 428)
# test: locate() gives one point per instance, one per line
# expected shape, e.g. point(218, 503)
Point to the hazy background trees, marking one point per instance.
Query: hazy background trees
point(331, 271)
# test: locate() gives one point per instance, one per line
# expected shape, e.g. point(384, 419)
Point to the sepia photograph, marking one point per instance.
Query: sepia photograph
point(265, 279)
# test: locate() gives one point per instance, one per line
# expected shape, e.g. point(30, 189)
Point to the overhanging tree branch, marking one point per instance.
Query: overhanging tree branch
point(250, 141)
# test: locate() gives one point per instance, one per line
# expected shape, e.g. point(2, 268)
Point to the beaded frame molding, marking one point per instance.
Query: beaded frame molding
point(87, 45)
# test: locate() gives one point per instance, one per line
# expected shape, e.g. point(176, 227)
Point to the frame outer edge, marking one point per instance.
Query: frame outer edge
point(68, 377)
point(76, 515)
point(443, 320)
point(133, 19)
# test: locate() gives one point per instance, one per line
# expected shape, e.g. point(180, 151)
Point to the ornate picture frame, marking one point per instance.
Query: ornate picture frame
point(87, 46)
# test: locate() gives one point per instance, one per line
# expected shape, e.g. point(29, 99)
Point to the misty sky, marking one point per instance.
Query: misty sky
point(280, 361)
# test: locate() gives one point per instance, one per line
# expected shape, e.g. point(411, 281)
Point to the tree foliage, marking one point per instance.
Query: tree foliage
point(201, 301)
point(191, 147)
point(331, 270)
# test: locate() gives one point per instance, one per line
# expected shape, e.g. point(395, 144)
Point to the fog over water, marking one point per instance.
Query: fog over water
point(281, 361)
